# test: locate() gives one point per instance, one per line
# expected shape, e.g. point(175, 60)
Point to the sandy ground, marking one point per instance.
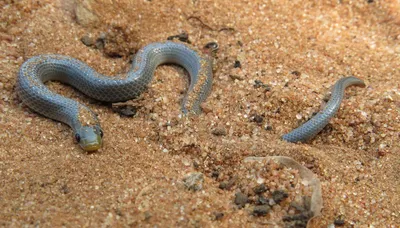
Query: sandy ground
point(297, 48)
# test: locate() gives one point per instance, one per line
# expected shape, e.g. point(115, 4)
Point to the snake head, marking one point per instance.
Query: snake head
point(211, 48)
point(89, 137)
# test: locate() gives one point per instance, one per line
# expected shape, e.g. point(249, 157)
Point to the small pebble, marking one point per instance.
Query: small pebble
point(86, 40)
point(260, 189)
point(296, 73)
point(339, 221)
point(241, 199)
point(261, 210)
point(237, 64)
point(218, 215)
point(267, 127)
point(184, 37)
point(258, 118)
point(215, 174)
point(127, 110)
point(194, 181)
point(279, 195)
point(261, 200)
point(260, 84)
point(219, 131)
point(228, 184)
point(304, 216)
point(236, 77)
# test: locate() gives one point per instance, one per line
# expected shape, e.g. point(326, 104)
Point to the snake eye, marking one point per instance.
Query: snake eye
point(101, 133)
point(77, 137)
point(213, 46)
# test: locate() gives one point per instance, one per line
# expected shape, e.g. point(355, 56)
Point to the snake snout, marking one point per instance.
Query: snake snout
point(91, 147)
point(90, 139)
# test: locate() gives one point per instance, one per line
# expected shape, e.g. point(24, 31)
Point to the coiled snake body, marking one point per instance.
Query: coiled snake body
point(39, 69)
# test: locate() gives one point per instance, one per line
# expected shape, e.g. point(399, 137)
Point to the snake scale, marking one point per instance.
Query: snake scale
point(86, 127)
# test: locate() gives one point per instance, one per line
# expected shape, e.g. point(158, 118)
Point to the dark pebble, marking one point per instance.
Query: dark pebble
point(339, 221)
point(241, 199)
point(258, 119)
point(218, 215)
point(112, 54)
point(184, 37)
point(297, 73)
point(260, 189)
point(215, 174)
point(86, 40)
point(219, 131)
point(268, 127)
point(279, 195)
point(261, 210)
point(237, 64)
point(370, 1)
point(261, 200)
point(304, 216)
point(260, 84)
point(228, 184)
point(223, 185)
point(127, 110)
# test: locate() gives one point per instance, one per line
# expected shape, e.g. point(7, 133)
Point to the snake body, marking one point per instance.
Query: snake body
point(85, 124)
point(312, 127)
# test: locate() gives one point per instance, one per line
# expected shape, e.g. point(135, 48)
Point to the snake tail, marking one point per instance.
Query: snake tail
point(312, 127)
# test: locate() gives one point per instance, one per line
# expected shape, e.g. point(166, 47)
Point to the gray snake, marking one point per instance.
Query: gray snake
point(85, 124)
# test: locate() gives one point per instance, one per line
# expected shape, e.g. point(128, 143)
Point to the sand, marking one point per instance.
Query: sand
point(296, 49)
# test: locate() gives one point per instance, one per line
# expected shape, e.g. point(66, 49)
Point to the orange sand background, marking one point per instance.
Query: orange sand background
point(136, 178)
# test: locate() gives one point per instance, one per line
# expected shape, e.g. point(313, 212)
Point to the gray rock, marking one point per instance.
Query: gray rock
point(194, 181)
point(241, 199)
point(261, 210)
point(87, 40)
point(260, 189)
point(279, 195)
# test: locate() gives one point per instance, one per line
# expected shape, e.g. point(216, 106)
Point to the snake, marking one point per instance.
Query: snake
point(37, 70)
point(312, 127)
